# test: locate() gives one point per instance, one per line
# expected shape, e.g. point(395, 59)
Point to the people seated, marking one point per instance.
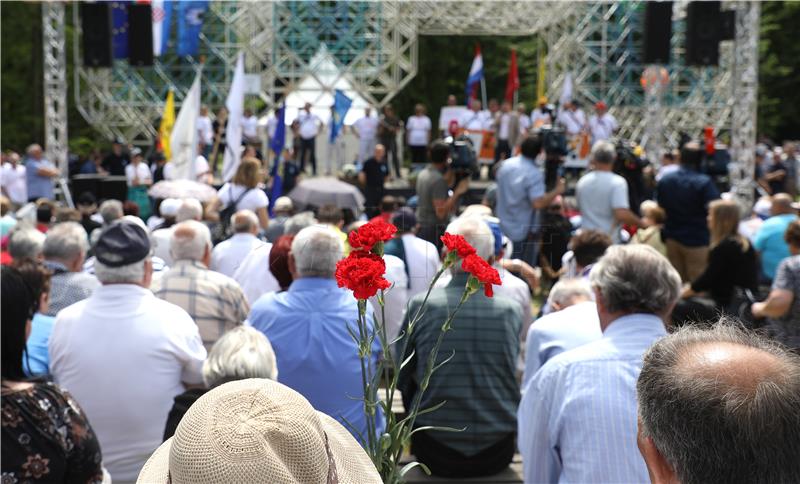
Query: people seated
point(228, 255)
point(64, 251)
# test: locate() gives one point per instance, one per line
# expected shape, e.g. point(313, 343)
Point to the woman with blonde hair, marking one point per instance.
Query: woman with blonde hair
point(732, 263)
point(243, 192)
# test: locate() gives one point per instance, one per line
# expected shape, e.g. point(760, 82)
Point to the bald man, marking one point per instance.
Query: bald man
point(769, 241)
point(719, 405)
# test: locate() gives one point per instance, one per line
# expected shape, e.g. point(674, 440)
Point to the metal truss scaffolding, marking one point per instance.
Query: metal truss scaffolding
point(55, 84)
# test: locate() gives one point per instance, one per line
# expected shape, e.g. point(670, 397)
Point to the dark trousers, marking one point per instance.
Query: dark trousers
point(432, 233)
point(419, 154)
point(527, 249)
point(501, 151)
point(391, 152)
point(308, 146)
point(446, 462)
point(372, 200)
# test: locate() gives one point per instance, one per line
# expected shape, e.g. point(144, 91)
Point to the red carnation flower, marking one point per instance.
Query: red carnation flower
point(362, 273)
point(459, 244)
point(482, 271)
point(371, 233)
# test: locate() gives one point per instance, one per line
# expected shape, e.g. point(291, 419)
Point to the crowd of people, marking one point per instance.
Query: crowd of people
point(179, 340)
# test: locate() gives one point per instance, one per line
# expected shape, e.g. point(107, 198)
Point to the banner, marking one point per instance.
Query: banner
point(512, 84)
point(165, 128)
point(190, 23)
point(119, 29)
point(475, 74)
point(279, 138)
point(341, 104)
point(233, 131)
point(566, 90)
point(541, 73)
point(162, 17)
point(183, 140)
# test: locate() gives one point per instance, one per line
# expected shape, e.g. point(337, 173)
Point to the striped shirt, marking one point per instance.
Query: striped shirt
point(577, 419)
point(215, 301)
point(479, 383)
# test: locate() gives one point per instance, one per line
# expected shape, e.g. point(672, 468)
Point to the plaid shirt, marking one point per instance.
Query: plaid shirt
point(215, 301)
point(67, 288)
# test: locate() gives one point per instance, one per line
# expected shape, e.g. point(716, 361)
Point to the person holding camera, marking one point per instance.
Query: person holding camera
point(436, 202)
point(520, 195)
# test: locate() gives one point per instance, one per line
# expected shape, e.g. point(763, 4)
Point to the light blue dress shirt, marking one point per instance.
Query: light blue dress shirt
point(519, 182)
point(38, 362)
point(770, 243)
point(38, 186)
point(577, 421)
point(317, 357)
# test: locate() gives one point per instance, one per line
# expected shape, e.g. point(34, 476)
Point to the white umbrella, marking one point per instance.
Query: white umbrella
point(327, 191)
point(182, 189)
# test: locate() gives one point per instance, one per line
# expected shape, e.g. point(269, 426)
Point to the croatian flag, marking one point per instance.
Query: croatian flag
point(475, 74)
point(162, 15)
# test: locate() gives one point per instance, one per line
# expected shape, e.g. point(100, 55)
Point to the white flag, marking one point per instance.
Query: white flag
point(566, 90)
point(233, 131)
point(183, 141)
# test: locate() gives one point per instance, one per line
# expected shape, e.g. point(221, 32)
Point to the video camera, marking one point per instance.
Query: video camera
point(464, 161)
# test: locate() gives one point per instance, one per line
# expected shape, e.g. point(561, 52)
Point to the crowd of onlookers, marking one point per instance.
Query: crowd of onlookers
point(209, 340)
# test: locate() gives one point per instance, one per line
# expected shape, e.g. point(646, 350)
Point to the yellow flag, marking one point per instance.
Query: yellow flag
point(540, 77)
point(165, 129)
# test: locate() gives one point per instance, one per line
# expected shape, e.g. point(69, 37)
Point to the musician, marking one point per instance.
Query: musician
point(541, 115)
point(572, 117)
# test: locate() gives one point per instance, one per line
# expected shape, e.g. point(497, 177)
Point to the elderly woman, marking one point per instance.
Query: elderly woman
point(241, 353)
point(782, 307)
point(243, 192)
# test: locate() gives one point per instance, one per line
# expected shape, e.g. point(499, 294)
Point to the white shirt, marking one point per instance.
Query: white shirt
point(205, 130)
point(396, 297)
point(309, 124)
point(476, 121)
point(124, 355)
point(418, 128)
point(367, 127)
point(250, 127)
point(272, 125)
point(602, 127)
point(503, 125)
point(254, 275)
point(573, 121)
point(228, 255)
point(539, 118)
point(524, 123)
point(13, 180)
point(161, 244)
point(599, 193)
point(423, 263)
point(252, 200)
point(140, 171)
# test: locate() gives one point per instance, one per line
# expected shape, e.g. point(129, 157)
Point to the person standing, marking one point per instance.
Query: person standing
point(205, 132)
point(39, 173)
point(309, 125)
point(684, 194)
point(572, 118)
point(250, 128)
point(418, 135)
point(506, 128)
point(366, 129)
point(603, 195)
point(139, 179)
point(12, 180)
point(436, 204)
point(524, 122)
point(541, 115)
point(388, 128)
point(475, 119)
point(602, 125)
point(372, 177)
point(115, 162)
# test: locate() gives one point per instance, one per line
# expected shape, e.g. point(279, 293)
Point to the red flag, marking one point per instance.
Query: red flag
point(512, 84)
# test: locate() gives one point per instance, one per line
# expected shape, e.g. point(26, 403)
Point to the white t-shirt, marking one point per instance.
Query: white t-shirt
point(573, 121)
point(124, 355)
point(252, 200)
point(540, 118)
point(502, 129)
point(205, 130)
point(418, 128)
point(250, 127)
point(602, 127)
point(476, 121)
point(253, 274)
point(524, 123)
point(598, 194)
point(13, 180)
point(367, 127)
point(140, 171)
point(228, 255)
point(396, 297)
point(309, 124)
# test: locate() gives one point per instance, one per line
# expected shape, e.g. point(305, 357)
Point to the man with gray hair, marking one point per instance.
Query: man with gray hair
point(228, 255)
point(123, 353)
point(189, 209)
point(39, 173)
point(479, 383)
point(577, 419)
point(213, 300)
point(603, 195)
point(309, 325)
point(64, 252)
point(281, 212)
point(719, 405)
point(25, 243)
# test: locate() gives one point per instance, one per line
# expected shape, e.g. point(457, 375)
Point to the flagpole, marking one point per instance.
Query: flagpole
point(483, 93)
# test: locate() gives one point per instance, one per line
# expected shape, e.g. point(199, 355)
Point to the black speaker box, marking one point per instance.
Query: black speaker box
point(657, 32)
point(140, 35)
point(703, 33)
point(96, 26)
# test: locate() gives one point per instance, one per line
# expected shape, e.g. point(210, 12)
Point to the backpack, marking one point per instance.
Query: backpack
point(223, 229)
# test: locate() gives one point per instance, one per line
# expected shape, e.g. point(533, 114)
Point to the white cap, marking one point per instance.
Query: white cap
point(169, 207)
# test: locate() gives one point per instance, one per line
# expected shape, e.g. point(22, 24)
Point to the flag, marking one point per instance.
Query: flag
point(162, 17)
point(475, 74)
point(190, 23)
point(279, 138)
point(183, 140)
point(566, 90)
point(541, 74)
point(341, 104)
point(119, 30)
point(512, 84)
point(165, 128)
point(233, 131)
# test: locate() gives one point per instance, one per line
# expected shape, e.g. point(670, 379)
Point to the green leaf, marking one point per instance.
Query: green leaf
point(412, 465)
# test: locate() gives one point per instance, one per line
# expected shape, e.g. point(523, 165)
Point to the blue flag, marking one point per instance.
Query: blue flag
point(341, 104)
point(276, 145)
point(119, 30)
point(190, 23)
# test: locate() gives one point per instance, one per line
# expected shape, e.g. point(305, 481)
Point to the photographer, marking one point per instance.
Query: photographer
point(520, 195)
point(436, 204)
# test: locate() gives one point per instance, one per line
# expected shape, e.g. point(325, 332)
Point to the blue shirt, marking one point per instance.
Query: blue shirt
point(519, 183)
point(317, 357)
point(38, 186)
point(577, 419)
point(38, 357)
point(770, 243)
point(685, 195)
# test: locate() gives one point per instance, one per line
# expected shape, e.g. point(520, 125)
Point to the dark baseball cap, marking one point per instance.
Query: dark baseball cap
point(122, 243)
point(404, 219)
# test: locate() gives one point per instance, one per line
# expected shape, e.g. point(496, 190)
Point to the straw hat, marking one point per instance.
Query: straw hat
point(258, 430)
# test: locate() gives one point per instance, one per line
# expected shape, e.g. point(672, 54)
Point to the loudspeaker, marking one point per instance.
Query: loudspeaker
point(703, 33)
point(657, 32)
point(140, 35)
point(96, 26)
